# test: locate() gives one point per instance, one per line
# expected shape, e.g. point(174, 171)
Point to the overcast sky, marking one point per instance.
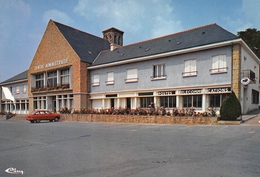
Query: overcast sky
point(23, 22)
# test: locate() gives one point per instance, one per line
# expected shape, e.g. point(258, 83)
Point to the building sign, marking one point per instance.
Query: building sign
point(51, 64)
point(219, 90)
point(245, 81)
point(166, 93)
point(190, 92)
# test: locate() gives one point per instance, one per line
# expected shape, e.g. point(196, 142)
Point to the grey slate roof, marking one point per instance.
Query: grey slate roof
point(86, 45)
point(18, 77)
point(200, 36)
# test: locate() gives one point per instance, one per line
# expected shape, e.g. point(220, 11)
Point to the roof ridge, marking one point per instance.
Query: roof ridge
point(159, 37)
point(76, 29)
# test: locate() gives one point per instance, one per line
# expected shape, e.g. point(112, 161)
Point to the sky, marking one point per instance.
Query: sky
point(23, 22)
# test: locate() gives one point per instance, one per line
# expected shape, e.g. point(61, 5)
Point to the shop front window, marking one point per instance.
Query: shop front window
point(168, 101)
point(146, 101)
point(217, 99)
point(192, 101)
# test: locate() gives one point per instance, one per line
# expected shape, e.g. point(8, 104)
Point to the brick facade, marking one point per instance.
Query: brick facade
point(54, 47)
point(236, 70)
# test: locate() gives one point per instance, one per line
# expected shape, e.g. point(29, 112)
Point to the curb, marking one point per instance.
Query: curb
point(221, 122)
point(236, 122)
point(249, 118)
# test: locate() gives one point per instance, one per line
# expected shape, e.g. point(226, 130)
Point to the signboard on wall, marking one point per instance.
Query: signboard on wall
point(190, 92)
point(162, 93)
point(220, 90)
point(245, 81)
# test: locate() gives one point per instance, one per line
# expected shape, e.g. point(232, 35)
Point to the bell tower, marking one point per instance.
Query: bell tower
point(114, 36)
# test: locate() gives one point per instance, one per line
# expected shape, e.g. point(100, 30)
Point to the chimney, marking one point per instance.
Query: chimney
point(114, 36)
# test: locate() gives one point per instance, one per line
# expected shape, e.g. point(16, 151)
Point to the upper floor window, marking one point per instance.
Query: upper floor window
point(158, 72)
point(95, 80)
point(65, 75)
point(17, 90)
point(24, 88)
point(131, 75)
point(110, 78)
point(39, 80)
point(219, 64)
point(52, 79)
point(190, 68)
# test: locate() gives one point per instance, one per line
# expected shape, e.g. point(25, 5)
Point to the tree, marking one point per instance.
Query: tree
point(230, 108)
point(251, 36)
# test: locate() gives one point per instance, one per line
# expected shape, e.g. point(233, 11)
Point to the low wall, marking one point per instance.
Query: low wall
point(139, 119)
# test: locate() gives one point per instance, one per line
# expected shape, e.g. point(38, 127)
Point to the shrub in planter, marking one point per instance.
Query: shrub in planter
point(230, 109)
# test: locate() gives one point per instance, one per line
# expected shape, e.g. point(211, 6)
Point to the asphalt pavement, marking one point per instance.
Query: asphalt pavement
point(77, 149)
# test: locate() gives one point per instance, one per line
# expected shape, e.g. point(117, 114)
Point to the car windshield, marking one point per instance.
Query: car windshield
point(33, 112)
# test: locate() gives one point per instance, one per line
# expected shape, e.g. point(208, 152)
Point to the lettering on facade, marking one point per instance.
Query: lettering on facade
point(219, 90)
point(166, 93)
point(52, 64)
point(191, 91)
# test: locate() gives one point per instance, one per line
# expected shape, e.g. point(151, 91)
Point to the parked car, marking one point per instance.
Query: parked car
point(38, 115)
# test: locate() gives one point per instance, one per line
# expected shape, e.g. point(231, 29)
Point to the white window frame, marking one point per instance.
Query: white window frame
point(17, 90)
point(219, 64)
point(110, 78)
point(190, 68)
point(95, 80)
point(24, 89)
point(65, 76)
point(158, 72)
point(131, 75)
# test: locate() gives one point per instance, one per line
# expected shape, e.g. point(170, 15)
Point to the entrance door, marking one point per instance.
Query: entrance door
point(54, 104)
point(128, 103)
point(112, 103)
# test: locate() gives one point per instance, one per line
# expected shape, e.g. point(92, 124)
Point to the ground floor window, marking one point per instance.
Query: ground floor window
point(168, 101)
point(19, 107)
point(255, 97)
point(192, 101)
point(217, 99)
point(145, 101)
point(53, 103)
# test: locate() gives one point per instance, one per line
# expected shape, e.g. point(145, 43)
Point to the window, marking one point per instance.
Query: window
point(52, 79)
point(24, 88)
point(65, 76)
point(255, 96)
point(95, 80)
point(192, 101)
point(131, 75)
point(40, 80)
point(217, 99)
point(189, 68)
point(17, 90)
point(146, 101)
point(219, 64)
point(158, 72)
point(110, 78)
point(168, 101)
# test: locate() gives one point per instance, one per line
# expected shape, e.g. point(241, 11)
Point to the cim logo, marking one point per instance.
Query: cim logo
point(14, 171)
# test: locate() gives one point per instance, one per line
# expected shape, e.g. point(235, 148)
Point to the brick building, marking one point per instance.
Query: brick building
point(57, 76)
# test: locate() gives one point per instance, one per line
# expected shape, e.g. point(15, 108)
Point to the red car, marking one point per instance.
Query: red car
point(38, 115)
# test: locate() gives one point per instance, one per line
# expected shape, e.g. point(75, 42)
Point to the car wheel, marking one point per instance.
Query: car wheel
point(37, 121)
point(56, 119)
point(32, 121)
